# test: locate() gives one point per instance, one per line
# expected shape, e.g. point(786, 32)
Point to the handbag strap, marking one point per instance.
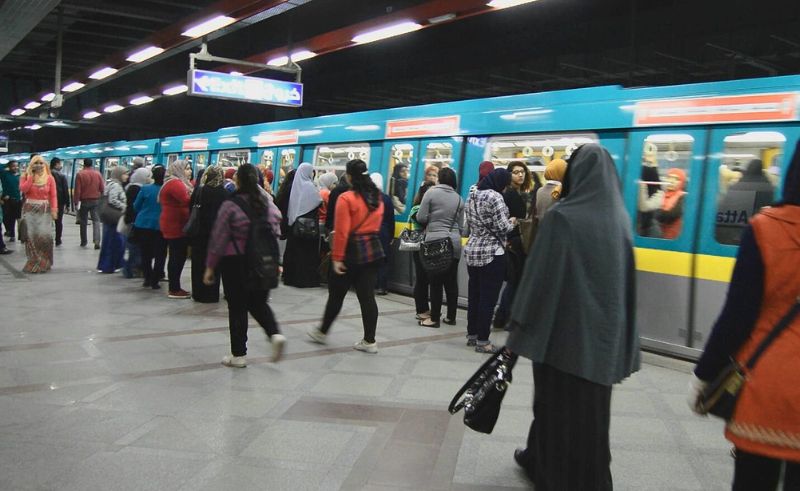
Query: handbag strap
point(455, 406)
point(502, 243)
point(776, 331)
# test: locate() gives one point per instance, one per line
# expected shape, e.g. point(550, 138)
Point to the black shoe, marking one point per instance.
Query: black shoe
point(96, 246)
point(520, 455)
point(5, 251)
point(11, 239)
point(498, 323)
point(155, 286)
point(84, 244)
point(381, 292)
point(146, 284)
point(449, 322)
point(58, 243)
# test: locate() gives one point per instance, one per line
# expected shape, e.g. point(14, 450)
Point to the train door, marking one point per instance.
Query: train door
point(745, 172)
point(663, 192)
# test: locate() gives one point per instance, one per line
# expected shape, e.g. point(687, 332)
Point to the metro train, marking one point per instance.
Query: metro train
point(711, 131)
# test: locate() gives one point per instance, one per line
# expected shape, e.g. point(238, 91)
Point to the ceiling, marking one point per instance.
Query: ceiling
point(545, 45)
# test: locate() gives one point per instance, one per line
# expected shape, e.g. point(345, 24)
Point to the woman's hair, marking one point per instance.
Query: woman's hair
point(247, 184)
point(527, 183)
point(158, 174)
point(448, 176)
point(362, 184)
point(423, 188)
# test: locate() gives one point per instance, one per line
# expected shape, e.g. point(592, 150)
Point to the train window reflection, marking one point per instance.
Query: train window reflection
point(535, 150)
point(400, 158)
point(288, 156)
point(749, 174)
point(111, 163)
point(663, 182)
point(438, 154)
point(201, 161)
point(233, 158)
point(334, 158)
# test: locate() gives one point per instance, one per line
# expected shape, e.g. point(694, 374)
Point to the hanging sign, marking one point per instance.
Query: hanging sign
point(277, 138)
point(206, 83)
point(729, 109)
point(4, 142)
point(413, 128)
point(194, 144)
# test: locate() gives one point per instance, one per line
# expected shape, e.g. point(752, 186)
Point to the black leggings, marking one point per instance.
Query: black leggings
point(447, 281)
point(421, 285)
point(177, 259)
point(757, 473)
point(363, 278)
point(154, 253)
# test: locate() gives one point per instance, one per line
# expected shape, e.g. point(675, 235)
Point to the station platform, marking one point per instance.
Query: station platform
point(107, 385)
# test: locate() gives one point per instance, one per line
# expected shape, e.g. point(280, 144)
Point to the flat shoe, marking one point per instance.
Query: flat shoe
point(423, 315)
point(487, 349)
point(424, 322)
point(449, 322)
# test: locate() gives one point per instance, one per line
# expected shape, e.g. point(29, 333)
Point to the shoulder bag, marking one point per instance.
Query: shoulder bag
point(436, 255)
point(410, 239)
point(192, 227)
point(363, 248)
point(484, 392)
point(305, 227)
point(720, 396)
point(108, 214)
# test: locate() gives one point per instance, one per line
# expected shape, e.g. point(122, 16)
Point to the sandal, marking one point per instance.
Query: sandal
point(472, 342)
point(428, 323)
point(421, 316)
point(449, 322)
point(488, 349)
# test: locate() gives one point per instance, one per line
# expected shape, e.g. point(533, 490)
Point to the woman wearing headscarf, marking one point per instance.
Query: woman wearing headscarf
point(399, 187)
point(327, 182)
point(282, 201)
point(140, 177)
point(301, 258)
point(573, 316)
point(112, 247)
point(39, 211)
point(421, 282)
point(670, 216)
point(550, 192)
point(148, 229)
point(765, 427)
point(386, 235)
point(174, 198)
point(651, 197)
point(209, 195)
point(229, 185)
point(489, 223)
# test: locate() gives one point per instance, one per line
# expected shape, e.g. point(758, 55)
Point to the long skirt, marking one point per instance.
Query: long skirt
point(301, 262)
point(568, 444)
point(201, 292)
point(112, 250)
point(39, 241)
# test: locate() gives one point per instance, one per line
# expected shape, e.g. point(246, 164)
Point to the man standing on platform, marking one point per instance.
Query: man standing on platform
point(62, 192)
point(12, 199)
point(89, 186)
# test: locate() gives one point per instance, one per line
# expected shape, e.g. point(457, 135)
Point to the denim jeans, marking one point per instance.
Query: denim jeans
point(484, 287)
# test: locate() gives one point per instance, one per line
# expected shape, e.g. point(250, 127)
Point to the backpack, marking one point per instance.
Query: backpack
point(261, 251)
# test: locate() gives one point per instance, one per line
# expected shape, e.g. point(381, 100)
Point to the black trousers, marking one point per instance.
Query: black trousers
point(177, 259)
point(757, 473)
point(421, 286)
point(241, 301)
point(447, 282)
point(154, 253)
point(201, 292)
point(12, 211)
point(59, 224)
point(363, 278)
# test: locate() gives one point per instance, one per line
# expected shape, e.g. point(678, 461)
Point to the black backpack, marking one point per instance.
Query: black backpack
point(261, 251)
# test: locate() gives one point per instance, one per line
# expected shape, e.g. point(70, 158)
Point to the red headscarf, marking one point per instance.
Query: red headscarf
point(229, 172)
point(671, 197)
point(270, 176)
point(484, 169)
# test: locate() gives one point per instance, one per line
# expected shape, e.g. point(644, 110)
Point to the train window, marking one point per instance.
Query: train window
point(267, 158)
point(663, 182)
point(148, 160)
point(288, 156)
point(233, 158)
point(173, 157)
point(535, 150)
point(111, 162)
point(749, 174)
point(201, 161)
point(400, 158)
point(334, 158)
point(438, 154)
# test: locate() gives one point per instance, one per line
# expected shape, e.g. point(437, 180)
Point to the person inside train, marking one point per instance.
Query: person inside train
point(763, 293)
point(301, 257)
point(112, 246)
point(209, 195)
point(489, 223)
point(229, 185)
point(574, 317)
point(650, 200)
point(148, 230)
point(139, 178)
point(386, 234)
point(432, 174)
point(356, 253)
point(226, 253)
point(550, 193)
point(399, 187)
point(440, 211)
point(742, 201)
point(174, 198)
point(670, 215)
point(421, 283)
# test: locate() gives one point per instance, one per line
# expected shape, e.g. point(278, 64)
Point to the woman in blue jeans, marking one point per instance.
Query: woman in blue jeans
point(488, 223)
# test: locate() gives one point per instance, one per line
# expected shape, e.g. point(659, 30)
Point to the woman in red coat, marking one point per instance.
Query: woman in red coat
point(174, 198)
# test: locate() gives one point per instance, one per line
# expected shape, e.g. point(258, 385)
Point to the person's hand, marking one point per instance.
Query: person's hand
point(513, 220)
point(208, 277)
point(54, 214)
point(339, 267)
point(696, 388)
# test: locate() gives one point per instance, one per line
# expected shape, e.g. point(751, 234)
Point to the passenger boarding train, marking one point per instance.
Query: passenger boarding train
point(715, 137)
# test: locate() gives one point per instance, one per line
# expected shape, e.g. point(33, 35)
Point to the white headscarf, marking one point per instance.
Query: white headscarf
point(304, 195)
point(140, 177)
point(175, 171)
point(377, 178)
point(328, 180)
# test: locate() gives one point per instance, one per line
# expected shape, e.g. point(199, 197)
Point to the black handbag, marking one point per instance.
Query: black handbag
point(107, 213)
point(484, 392)
point(192, 227)
point(436, 255)
point(720, 396)
point(306, 227)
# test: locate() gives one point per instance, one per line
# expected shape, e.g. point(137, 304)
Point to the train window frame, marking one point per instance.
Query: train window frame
point(400, 206)
point(353, 150)
point(547, 153)
point(728, 228)
point(437, 160)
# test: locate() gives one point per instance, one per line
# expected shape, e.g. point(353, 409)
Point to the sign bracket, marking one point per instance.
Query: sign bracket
point(203, 55)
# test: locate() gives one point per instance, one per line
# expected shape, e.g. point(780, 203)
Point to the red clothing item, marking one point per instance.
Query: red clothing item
point(40, 192)
point(325, 194)
point(174, 198)
point(351, 210)
point(89, 184)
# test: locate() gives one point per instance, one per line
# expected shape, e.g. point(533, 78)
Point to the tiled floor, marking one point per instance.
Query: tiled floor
point(106, 385)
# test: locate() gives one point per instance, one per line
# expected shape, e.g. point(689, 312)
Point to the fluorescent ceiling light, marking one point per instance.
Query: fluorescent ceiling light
point(91, 115)
point(178, 89)
point(17, 112)
point(72, 87)
point(34, 127)
point(138, 101)
point(113, 108)
point(442, 18)
point(210, 25)
point(32, 105)
point(103, 73)
point(48, 97)
point(386, 32)
point(296, 56)
point(144, 54)
point(57, 123)
point(502, 4)
point(238, 74)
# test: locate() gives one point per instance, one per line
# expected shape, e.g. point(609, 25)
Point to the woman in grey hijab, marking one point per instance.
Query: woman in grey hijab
point(301, 259)
point(573, 316)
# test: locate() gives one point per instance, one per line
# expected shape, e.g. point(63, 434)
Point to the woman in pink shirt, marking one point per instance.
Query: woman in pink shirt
point(174, 198)
point(38, 212)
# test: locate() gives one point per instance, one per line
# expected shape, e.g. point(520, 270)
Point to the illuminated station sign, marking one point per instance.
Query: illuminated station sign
point(247, 89)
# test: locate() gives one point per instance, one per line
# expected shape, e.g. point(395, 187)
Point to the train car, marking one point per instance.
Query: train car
point(709, 134)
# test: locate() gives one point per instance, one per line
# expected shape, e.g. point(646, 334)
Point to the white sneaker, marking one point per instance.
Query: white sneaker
point(278, 344)
point(366, 347)
point(317, 336)
point(234, 361)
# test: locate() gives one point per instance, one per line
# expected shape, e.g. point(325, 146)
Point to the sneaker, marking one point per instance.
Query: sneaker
point(317, 336)
point(181, 294)
point(278, 344)
point(366, 347)
point(234, 361)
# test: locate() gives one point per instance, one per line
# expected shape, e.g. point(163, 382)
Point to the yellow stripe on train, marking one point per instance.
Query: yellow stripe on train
point(714, 268)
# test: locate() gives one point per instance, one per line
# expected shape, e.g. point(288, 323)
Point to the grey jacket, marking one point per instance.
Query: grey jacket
point(441, 213)
point(544, 198)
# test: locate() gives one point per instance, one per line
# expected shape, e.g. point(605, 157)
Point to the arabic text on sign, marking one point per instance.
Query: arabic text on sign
point(247, 88)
